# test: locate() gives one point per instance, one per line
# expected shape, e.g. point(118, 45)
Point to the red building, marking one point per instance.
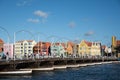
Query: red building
point(118, 43)
point(42, 48)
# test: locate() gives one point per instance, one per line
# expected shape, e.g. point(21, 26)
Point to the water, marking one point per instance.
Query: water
point(96, 72)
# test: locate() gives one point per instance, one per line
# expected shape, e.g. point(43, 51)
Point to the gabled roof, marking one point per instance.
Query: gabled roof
point(1, 41)
point(88, 43)
point(70, 43)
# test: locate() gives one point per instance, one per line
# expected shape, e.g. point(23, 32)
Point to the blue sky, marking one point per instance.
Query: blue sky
point(92, 20)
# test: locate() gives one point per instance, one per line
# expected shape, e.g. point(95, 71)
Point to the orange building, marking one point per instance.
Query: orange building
point(42, 48)
point(1, 45)
point(69, 48)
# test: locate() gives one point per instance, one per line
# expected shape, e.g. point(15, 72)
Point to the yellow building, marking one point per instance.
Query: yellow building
point(114, 43)
point(84, 48)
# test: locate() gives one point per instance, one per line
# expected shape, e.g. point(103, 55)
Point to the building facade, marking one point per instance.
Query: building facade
point(8, 50)
point(86, 48)
point(1, 48)
point(115, 45)
point(1, 45)
point(69, 48)
point(24, 48)
point(41, 48)
point(57, 50)
point(96, 49)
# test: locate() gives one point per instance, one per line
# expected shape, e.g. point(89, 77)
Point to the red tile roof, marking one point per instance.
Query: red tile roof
point(88, 43)
point(71, 43)
point(118, 42)
point(1, 41)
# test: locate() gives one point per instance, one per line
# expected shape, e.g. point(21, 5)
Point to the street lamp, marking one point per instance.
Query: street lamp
point(15, 38)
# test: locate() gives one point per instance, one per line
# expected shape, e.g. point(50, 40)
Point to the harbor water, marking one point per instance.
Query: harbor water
point(94, 72)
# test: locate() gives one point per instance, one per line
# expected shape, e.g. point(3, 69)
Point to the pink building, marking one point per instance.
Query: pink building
point(8, 50)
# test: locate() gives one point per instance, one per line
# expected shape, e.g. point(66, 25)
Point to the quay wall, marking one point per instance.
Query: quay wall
point(47, 62)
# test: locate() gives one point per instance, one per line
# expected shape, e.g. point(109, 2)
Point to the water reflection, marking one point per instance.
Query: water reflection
point(15, 77)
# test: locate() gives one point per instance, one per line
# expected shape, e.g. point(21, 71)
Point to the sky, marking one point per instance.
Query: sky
point(91, 20)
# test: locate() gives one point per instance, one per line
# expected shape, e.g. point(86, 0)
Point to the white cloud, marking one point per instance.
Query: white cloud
point(24, 2)
point(90, 33)
point(72, 24)
point(41, 14)
point(33, 20)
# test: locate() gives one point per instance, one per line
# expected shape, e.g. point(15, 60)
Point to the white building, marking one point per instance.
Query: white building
point(95, 49)
point(24, 48)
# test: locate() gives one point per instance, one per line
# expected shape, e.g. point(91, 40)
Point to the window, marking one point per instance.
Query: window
point(77, 45)
point(80, 48)
point(25, 51)
point(25, 44)
point(55, 49)
point(30, 43)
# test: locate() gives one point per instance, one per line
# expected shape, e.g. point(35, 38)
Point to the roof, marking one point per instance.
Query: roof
point(104, 46)
point(46, 43)
point(1, 41)
point(24, 40)
point(71, 43)
point(88, 43)
point(118, 42)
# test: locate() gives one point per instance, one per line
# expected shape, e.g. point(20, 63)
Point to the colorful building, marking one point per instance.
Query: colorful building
point(95, 49)
point(8, 50)
point(1, 45)
point(24, 48)
point(1, 48)
point(115, 44)
point(86, 48)
point(69, 48)
point(42, 48)
point(57, 50)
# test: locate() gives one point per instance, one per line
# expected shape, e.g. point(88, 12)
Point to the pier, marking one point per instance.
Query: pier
point(49, 63)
